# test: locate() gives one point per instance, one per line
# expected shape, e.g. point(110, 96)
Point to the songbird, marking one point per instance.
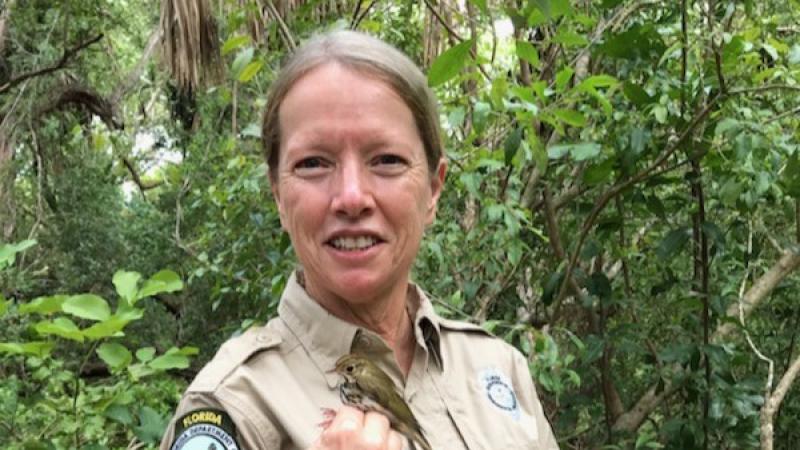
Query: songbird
point(368, 388)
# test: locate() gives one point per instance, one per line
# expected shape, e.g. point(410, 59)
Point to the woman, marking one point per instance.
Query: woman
point(356, 166)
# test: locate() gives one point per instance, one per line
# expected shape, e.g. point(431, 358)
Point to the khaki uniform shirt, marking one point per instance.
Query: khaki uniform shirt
point(467, 389)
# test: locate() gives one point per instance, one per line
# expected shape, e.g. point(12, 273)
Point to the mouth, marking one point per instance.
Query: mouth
point(354, 243)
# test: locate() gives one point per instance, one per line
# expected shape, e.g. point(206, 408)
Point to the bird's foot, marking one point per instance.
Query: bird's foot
point(328, 415)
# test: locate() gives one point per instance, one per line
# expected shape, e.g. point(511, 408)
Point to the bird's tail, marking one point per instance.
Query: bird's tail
point(417, 441)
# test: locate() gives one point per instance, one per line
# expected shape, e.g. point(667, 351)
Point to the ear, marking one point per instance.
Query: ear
point(437, 184)
point(273, 186)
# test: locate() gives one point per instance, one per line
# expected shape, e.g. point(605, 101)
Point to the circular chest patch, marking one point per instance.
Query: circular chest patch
point(499, 391)
point(205, 429)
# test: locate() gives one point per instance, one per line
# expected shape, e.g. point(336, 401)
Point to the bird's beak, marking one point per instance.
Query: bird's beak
point(331, 371)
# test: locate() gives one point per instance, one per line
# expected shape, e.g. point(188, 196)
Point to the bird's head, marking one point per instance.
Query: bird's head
point(351, 366)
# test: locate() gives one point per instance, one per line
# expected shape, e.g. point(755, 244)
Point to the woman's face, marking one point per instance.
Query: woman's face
point(353, 186)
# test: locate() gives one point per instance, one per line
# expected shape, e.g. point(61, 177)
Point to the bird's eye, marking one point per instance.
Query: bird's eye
point(349, 369)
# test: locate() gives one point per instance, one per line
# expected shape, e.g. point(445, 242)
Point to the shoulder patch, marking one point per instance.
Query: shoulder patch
point(233, 353)
point(458, 325)
point(499, 391)
point(205, 429)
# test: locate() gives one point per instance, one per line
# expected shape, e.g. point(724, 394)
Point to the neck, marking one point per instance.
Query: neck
point(385, 315)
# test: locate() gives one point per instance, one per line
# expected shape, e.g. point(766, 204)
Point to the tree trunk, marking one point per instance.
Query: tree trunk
point(7, 176)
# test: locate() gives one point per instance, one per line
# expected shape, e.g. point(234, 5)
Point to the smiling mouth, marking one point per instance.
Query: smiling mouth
point(354, 243)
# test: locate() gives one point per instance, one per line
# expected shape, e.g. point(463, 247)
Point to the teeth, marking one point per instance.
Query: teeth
point(354, 243)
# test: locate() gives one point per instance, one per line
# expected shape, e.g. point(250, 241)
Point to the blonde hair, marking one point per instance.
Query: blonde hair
point(363, 53)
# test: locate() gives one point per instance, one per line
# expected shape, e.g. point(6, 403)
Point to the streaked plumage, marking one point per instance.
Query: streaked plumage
point(368, 388)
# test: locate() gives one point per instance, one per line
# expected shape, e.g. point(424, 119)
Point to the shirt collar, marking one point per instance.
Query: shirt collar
point(326, 337)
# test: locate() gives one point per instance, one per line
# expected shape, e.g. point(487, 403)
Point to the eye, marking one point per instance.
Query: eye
point(311, 166)
point(389, 164)
point(309, 163)
point(349, 369)
point(389, 159)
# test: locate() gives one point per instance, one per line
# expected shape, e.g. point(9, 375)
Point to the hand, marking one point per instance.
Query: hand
point(352, 429)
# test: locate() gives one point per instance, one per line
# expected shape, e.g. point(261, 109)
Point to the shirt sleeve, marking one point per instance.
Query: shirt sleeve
point(529, 401)
point(247, 435)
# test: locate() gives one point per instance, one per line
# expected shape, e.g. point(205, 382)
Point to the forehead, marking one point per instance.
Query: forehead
point(333, 79)
point(334, 98)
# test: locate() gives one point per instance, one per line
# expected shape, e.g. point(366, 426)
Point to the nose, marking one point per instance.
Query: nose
point(353, 196)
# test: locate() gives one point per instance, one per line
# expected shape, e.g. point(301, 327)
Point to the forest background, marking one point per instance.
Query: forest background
point(622, 205)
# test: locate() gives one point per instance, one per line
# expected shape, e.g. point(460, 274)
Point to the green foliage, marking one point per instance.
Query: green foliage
point(573, 107)
point(103, 413)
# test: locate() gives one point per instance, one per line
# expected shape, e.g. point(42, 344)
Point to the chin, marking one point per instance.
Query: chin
point(361, 288)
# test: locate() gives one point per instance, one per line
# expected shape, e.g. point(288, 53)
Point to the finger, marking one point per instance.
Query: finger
point(376, 430)
point(345, 427)
point(348, 419)
point(396, 441)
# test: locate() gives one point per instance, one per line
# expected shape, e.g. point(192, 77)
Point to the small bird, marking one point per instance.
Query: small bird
point(368, 388)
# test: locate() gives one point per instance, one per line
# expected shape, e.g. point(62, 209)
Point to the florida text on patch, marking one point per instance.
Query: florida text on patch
point(205, 429)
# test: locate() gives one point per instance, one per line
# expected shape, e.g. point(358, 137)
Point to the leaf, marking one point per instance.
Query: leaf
point(449, 63)
point(544, 7)
point(563, 77)
point(43, 305)
point(62, 327)
point(87, 306)
point(252, 130)
point(126, 284)
point(527, 52)
point(637, 94)
point(234, 42)
point(725, 125)
point(481, 4)
point(243, 58)
point(8, 251)
point(163, 281)
point(145, 354)
point(579, 152)
point(250, 71)
point(791, 176)
point(116, 356)
point(600, 286)
point(679, 353)
point(599, 173)
point(551, 287)
point(151, 426)
point(511, 145)
point(597, 81)
point(730, 192)
point(119, 413)
point(36, 348)
point(794, 55)
point(113, 325)
point(571, 117)
point(3, 304)
point(672, 243)
point(660, 111)
point(172, 359)
point(190, 351)
point(570, 39)
point(637, 42)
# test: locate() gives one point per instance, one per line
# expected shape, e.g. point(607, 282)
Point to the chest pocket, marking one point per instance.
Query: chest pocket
point(497, 405)
point(431, 410)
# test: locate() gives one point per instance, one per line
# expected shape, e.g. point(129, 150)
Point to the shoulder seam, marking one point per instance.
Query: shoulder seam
point(231, 356)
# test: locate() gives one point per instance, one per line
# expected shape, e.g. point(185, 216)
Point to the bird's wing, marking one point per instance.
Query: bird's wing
point(390, 399)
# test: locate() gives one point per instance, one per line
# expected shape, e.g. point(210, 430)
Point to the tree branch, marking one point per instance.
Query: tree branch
point(622, 186)
point(69, 53)
point(136, 73)
point(136, 179)
point(774, 402)
point(652, 398)
point(788, 262)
